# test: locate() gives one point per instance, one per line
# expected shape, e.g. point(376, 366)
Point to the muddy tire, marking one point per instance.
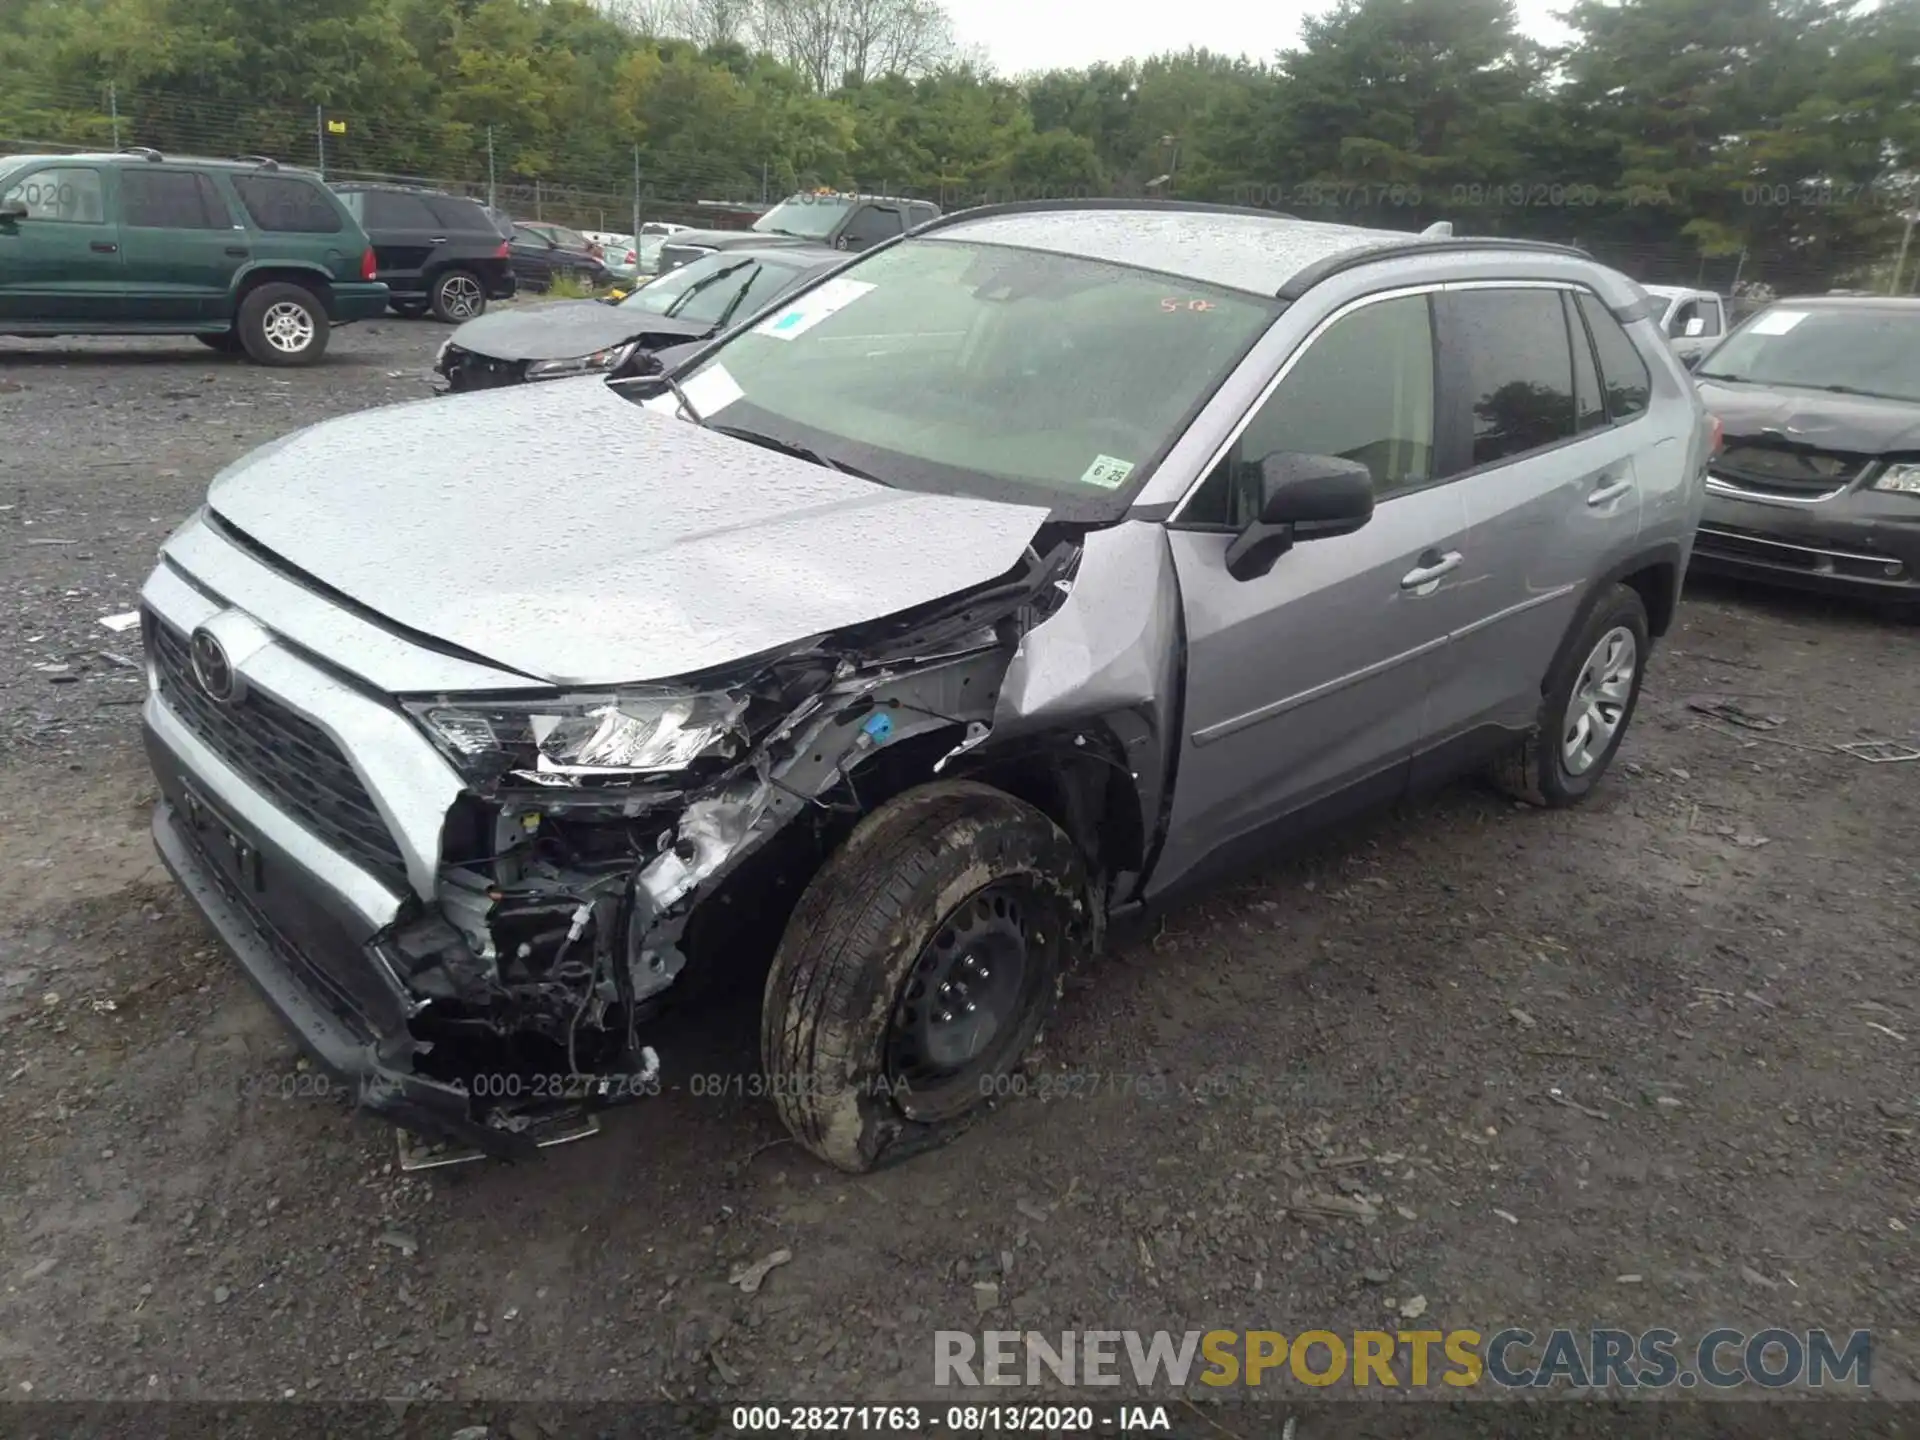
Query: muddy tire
point(1588, 703)
point(281, 324)
point(953, 885)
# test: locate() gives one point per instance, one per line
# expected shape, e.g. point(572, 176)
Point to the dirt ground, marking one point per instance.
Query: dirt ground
point(1647, 1063)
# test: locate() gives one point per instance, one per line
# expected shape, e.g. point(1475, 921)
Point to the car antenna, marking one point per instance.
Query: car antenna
point(1439, 230)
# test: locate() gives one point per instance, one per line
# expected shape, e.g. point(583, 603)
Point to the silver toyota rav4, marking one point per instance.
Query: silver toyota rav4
point(1023, 569)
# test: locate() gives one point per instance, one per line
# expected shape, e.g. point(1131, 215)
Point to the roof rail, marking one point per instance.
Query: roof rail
point(1331, 265)
point(145, 152)
point(265, 162)
point(1041, 207)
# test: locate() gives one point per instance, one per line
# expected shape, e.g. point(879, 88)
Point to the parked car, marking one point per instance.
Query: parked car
point(244, 256)
point(653, 235)
point(620, 254)
point(1819, 482)
point(578, 337)
point(840, 222)
point(1694, 321)
point(438, 253)
point(1009, 578)
point(542, 254)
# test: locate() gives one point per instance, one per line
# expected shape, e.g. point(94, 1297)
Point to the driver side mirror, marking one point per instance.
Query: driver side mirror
point(13, 210)
point(1302, 497)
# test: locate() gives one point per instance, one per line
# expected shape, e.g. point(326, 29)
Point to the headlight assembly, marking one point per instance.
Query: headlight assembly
point(1901, 477)
point(597, 363)
point(581, 740)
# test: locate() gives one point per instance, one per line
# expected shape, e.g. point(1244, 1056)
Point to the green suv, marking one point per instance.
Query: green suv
point(244, 255)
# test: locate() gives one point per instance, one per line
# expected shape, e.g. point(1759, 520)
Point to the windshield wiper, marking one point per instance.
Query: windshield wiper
point(799, 452)
point(681, 396)
point(680, 301)
point(1855, 390)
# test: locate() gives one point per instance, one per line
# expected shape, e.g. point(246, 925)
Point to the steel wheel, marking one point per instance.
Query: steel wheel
point(288, 327)
point(1600, 698)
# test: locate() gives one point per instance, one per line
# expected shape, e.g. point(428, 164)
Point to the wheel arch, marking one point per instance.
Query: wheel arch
point(281, 272)
point(1653, 574)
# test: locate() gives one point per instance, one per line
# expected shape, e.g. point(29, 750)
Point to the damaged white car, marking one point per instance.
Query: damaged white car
point(993, 585)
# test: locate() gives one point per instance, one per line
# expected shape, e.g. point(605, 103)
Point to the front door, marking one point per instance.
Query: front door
point(179, 245)
point(1306, 687)
point(60, 263)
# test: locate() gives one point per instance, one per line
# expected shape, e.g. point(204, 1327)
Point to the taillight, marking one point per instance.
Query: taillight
point(504, 251)
point(633, 257)
point(369, 267)
point(1719, 435)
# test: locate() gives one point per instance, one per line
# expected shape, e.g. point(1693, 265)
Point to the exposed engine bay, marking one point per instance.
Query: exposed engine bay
point(573, 897)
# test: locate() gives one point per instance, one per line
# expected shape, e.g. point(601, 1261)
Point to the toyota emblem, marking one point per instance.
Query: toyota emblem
point(211, 666)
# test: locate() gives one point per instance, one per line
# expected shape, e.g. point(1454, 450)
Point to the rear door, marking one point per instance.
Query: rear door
point(405, 234)
point(1306, 687)
point(179, 245)
point(1550, 494)
point(61, 263)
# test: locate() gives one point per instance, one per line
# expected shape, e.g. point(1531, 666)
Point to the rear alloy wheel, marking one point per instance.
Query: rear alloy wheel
point(282, 324)
point(917, 971)
point(457, 297)
point(1588, 704)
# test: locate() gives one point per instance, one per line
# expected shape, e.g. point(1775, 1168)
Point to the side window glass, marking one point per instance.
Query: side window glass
point(871, 225)
point(455, 213)
point(169, 200)
point(1623, 374)
point(1515, 369)
point(391, 211)
point(1684, 315)
point(1363, 391)
point(283, 205)
point(1710, 312)
point(67, 193)
point(1589, 406)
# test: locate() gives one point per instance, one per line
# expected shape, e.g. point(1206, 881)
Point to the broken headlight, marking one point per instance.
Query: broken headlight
point(1901, 477)
point(600, 361)
point(580, 740)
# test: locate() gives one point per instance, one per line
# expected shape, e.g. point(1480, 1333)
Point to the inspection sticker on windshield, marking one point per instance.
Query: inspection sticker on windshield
point(1107, 472)
point(1779, 322)
point(712, 390)
point(811, 308)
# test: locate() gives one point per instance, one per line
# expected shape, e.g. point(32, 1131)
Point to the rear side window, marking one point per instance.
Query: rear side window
point(455, 213)
point(1362, 391)
point(287, 205)
point(1515, 370)
point(68, 192)
point(171, 200)
point(1623, 374)
point(919, 214)
point(1589, 406)
point(389, 210)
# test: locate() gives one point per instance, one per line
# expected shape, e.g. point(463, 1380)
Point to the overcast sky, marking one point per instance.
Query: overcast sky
point(1021, 35)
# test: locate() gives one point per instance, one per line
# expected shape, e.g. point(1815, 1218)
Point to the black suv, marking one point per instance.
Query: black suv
point(840, 222)
point(435, 251)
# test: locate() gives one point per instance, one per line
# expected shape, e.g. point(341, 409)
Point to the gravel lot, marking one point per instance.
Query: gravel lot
point(1671, 1036)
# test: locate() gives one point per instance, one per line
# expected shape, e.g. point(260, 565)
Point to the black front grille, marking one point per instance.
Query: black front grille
point(284, 755)
point(1786, 470)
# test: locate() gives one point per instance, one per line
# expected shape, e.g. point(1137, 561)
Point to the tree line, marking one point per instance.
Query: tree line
point(1774, 140)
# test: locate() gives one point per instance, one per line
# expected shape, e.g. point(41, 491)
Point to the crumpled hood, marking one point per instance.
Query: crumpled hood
point(566, 329)
point(570, 535)
point(1856, 423)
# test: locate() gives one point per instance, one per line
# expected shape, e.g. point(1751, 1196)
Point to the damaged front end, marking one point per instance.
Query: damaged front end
point(605, 843)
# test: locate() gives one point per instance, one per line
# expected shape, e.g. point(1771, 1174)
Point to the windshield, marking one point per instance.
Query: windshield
point(983, 370)
point(1864, 351)
point(811, 217)
point(703, 290)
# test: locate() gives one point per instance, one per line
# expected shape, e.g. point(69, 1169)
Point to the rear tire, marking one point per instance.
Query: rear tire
point(457, 296)
point(282, 324)
point(1588, 704)
point(917, 971)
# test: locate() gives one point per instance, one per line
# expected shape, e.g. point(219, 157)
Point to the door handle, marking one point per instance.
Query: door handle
point(1608, 492)
point(1421, 579)
point(103, 247)
point(239, 252)
point(436, 240)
